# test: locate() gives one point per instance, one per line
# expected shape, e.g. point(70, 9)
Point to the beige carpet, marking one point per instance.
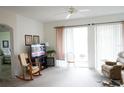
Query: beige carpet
point(60, 77)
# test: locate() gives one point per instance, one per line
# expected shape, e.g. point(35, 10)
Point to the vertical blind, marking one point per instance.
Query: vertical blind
point(108, 42)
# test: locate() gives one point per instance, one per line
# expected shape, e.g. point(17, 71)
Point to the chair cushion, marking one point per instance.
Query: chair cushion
point(107, 67)
point(35, 69)
point(110, 63)
point(23, 59)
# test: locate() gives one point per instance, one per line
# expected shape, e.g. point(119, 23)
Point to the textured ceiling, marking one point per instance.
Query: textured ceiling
point(56, 13)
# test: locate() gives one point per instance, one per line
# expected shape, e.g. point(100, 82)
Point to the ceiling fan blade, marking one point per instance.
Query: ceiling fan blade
point(68, 16)
point(84, 10)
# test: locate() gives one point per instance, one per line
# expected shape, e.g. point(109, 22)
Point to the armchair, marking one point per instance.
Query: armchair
point(112, 70)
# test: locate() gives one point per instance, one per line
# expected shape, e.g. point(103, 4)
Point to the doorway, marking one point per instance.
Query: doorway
point(76, 45)
point(5, 52)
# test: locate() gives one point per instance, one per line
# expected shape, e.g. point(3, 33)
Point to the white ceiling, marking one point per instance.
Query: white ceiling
point(56, 13)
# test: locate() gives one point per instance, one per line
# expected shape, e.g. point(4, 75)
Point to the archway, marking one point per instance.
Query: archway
point(6, 51)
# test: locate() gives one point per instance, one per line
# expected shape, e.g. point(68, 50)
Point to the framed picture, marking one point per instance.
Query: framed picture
point(36, 39)
point(5, 44)
point(28, 40)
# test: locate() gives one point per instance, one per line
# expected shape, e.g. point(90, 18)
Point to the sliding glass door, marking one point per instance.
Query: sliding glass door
point(76, 45)
point(108, 42)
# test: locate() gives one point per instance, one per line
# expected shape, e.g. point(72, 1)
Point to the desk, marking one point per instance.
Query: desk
point(50, 61)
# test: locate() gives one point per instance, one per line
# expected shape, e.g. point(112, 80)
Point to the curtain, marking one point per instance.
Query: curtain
point(76, 45)
point(81, 43)
point(108, 42)
point(69, 44)
point(72, 45)
point(59, 43)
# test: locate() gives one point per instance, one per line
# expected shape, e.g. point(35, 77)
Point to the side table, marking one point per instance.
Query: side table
point(50, 61)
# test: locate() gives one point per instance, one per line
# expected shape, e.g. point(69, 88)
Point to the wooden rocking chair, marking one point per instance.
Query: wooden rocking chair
point(26, 66)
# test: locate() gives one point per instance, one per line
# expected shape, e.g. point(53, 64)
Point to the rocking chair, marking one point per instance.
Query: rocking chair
point(27, 67)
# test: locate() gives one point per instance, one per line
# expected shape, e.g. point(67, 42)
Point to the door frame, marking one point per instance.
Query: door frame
point(10, 29)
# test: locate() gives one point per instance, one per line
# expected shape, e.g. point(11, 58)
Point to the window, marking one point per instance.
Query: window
point(108, 42)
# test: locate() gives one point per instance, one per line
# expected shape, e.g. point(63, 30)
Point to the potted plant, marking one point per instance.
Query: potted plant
point(51, 53)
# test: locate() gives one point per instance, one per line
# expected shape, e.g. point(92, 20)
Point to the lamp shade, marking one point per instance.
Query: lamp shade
point(47, 44)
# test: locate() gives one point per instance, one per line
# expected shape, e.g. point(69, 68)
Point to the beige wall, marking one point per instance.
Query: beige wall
point(29, 27)
point(21, 26)
point(50, 34)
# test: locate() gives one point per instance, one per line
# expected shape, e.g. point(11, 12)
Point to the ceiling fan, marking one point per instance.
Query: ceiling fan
point(71, 11)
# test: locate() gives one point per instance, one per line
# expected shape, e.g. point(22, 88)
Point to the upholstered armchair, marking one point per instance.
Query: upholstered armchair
point(112, 70)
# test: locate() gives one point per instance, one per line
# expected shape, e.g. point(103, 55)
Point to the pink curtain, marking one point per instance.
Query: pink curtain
point(59, 43)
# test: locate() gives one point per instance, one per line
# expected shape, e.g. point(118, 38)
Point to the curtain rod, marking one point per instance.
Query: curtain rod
point(87, 24)
point(107, 22)
point(71, 26)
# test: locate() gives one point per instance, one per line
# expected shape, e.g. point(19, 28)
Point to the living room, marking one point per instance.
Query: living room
point(27, 20)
